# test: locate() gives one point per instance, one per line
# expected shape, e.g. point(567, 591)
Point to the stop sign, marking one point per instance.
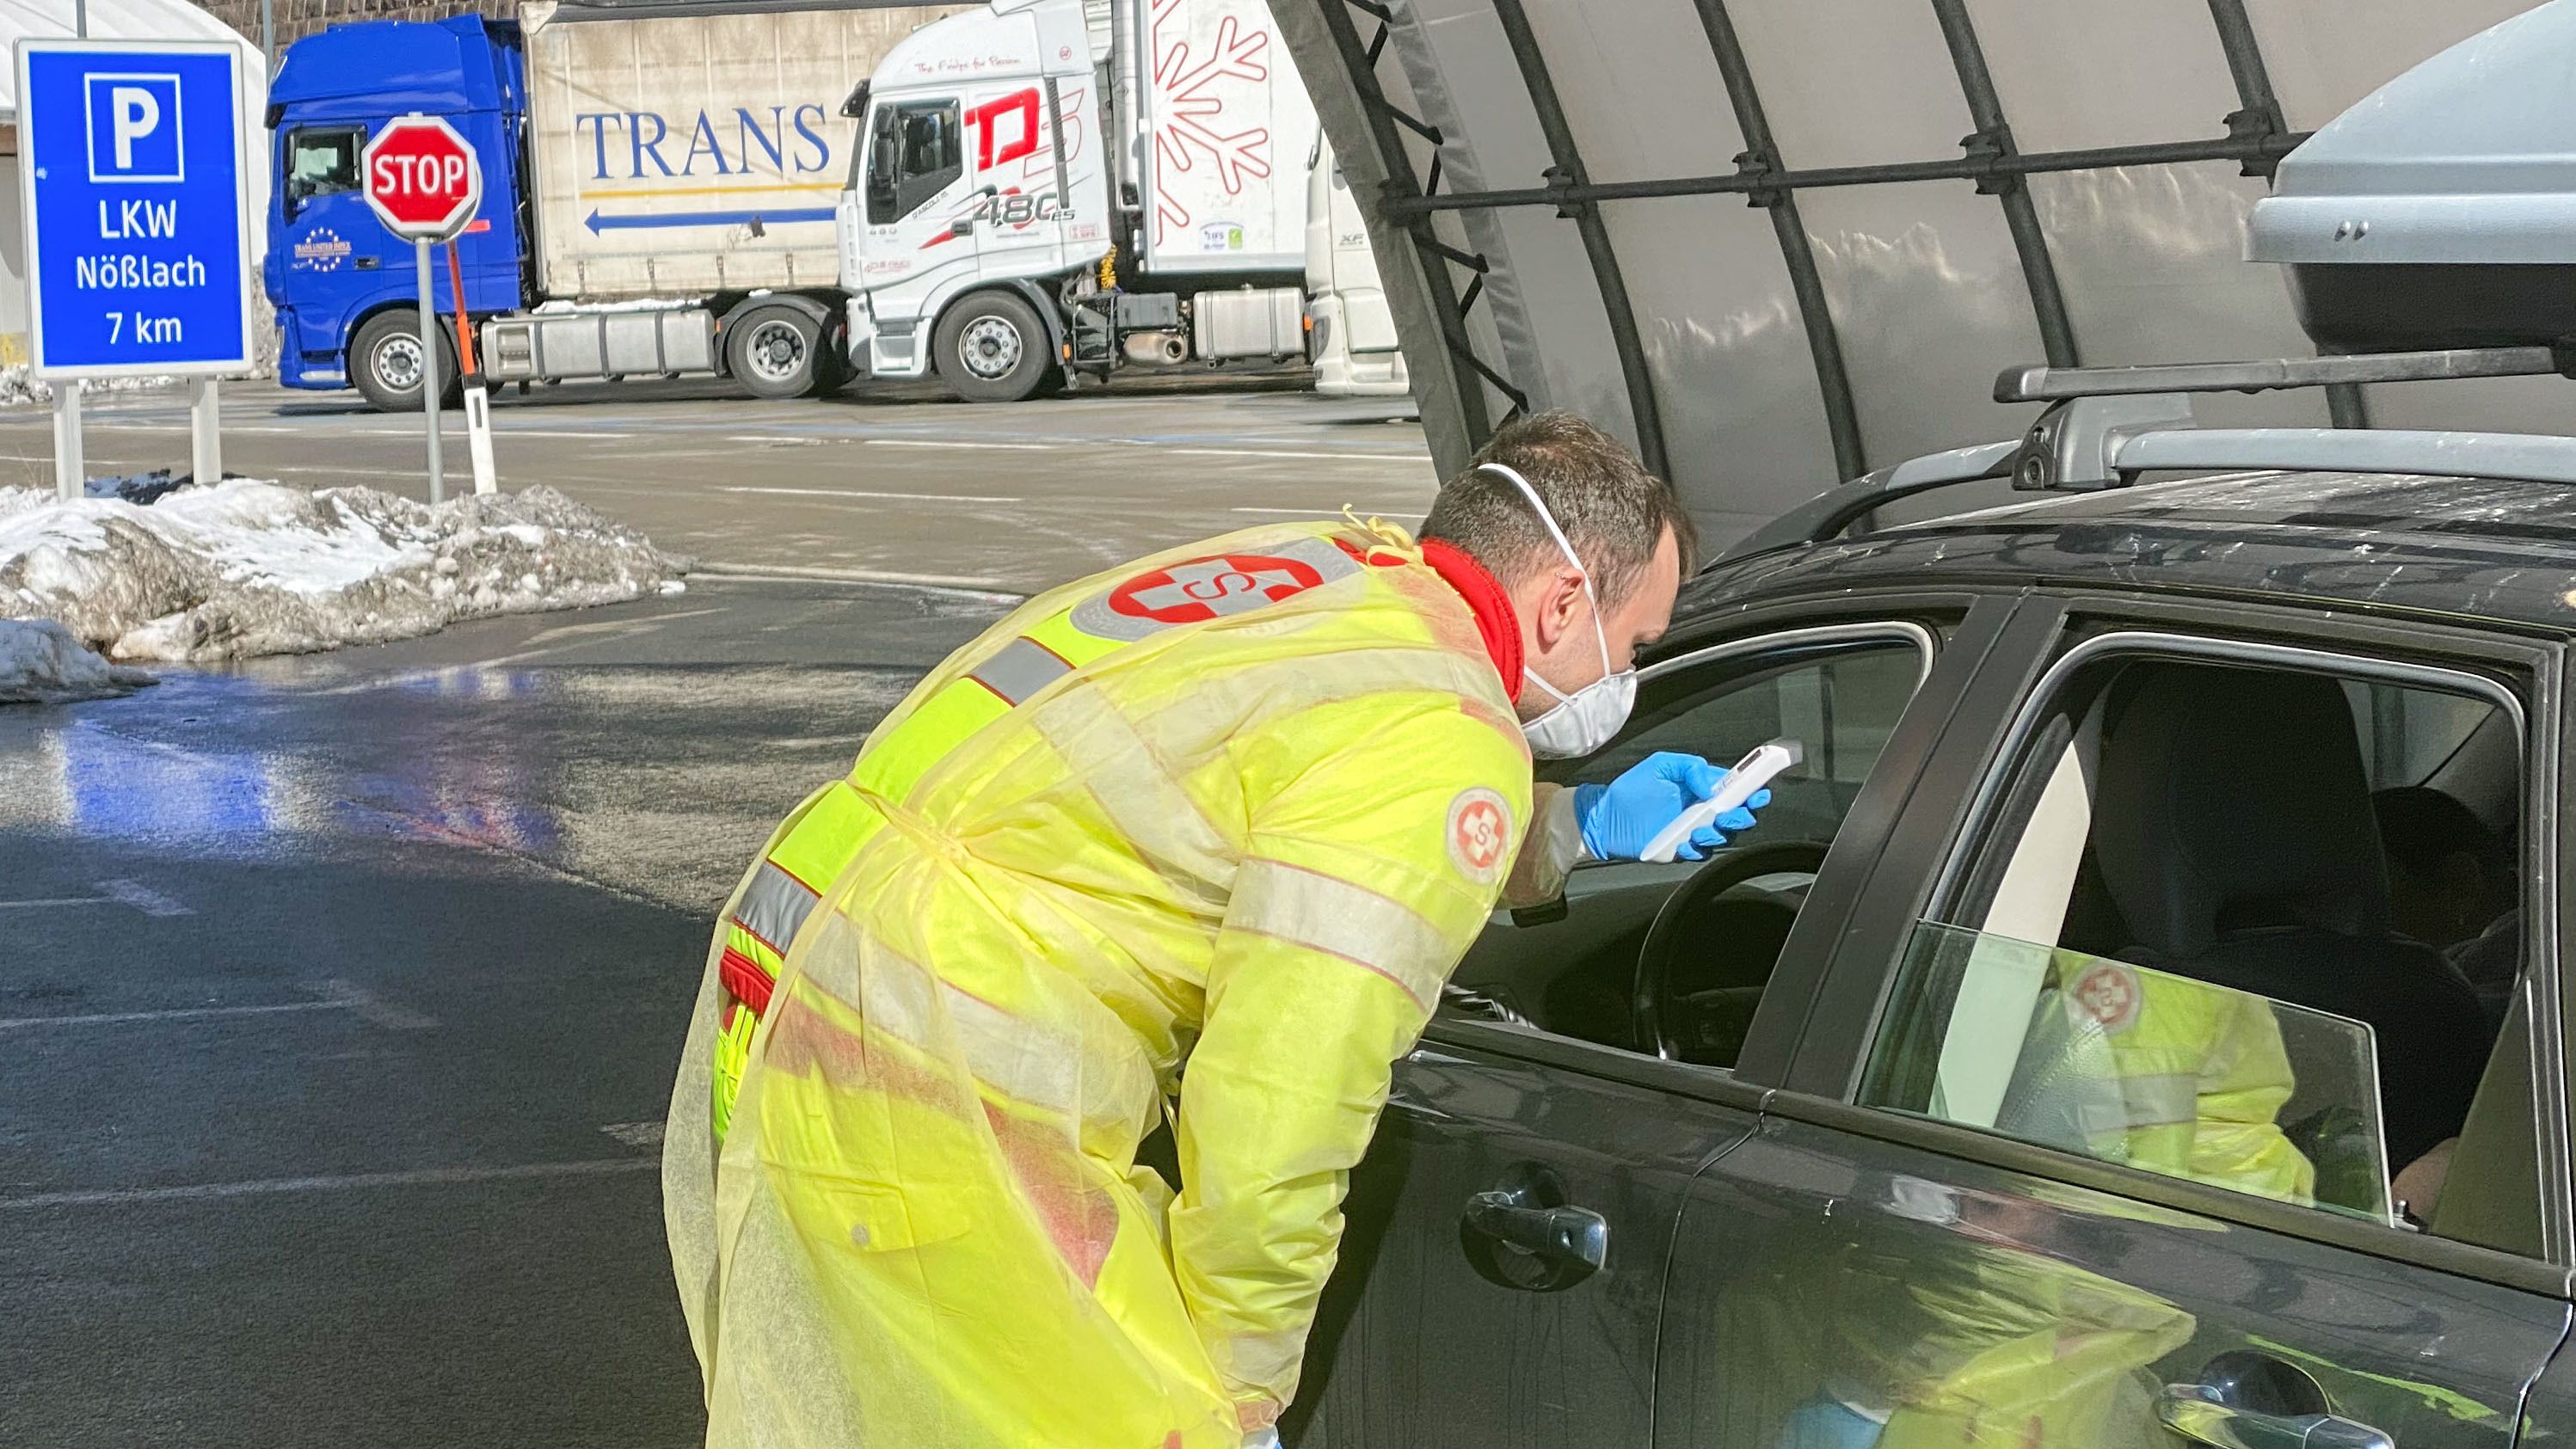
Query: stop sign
point(421, 178)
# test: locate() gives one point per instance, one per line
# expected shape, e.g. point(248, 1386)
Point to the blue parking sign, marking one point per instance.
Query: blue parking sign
point(136, 205)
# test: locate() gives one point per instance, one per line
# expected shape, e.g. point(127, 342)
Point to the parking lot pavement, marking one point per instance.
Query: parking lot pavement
point(893, 483)
point(340, 1005)
point(342, 993)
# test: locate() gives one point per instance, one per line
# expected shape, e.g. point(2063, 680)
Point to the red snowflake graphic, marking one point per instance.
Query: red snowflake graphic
point(1186, 126)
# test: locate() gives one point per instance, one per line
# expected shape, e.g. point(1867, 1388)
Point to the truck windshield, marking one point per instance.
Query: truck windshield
point(321, 161)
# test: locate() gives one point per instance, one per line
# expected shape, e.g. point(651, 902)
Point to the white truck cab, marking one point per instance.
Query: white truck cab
point(1031, 202)
point(980, 166)
point(1350, 329)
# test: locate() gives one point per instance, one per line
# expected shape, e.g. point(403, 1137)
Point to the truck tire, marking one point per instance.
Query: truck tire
point(775, 352)
point(384, 362)
point(991, 347)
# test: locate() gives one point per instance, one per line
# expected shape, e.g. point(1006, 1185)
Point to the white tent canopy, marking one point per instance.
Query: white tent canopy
point(111, 20)
point(1747, 235)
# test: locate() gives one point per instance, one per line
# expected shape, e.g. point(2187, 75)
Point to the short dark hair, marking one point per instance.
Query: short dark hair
point(2420, 828)
point(1613, 511)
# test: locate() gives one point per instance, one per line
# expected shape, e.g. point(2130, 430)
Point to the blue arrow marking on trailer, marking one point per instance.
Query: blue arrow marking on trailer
point(598, 223)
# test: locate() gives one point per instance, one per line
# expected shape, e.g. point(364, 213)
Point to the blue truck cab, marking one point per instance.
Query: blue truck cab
point(344, 287)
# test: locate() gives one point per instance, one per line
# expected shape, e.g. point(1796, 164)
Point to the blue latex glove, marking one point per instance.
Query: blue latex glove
point(1620, 819)
point(1825, 1422)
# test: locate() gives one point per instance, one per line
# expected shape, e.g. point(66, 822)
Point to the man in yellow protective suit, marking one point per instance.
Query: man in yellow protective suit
point(1984, 1332)
point(1202, 837)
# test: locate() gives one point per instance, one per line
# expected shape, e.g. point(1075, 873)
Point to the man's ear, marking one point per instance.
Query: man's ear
point(1556, 606)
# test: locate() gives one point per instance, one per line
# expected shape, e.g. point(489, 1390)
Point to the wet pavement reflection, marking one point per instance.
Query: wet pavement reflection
point(340, 997)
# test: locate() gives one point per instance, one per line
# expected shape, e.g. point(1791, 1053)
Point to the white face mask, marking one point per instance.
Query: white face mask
point(1587, 719)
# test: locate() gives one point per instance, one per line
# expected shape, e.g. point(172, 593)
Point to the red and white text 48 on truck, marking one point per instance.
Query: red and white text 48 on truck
point(989, 237)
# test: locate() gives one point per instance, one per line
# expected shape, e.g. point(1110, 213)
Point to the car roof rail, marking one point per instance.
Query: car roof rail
point(2106, 442)
point(2101, 440)
point(1837, 508)
point(2053, 384)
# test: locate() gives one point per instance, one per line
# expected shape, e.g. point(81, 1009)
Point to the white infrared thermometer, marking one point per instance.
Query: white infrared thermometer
point(1743, 782)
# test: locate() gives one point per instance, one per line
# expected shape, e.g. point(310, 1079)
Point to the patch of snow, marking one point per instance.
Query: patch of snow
point(20, 388)
point(559, 306)
point(147, 487)
point(247, 567)
point(41, 663)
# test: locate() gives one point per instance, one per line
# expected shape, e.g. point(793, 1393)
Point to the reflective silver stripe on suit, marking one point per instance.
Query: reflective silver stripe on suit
point(774, 905)
point(1376, 932)
point(1019, 669)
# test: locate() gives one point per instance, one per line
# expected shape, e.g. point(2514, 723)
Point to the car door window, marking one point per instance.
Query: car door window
point(1576, 970)
point(2182, 940)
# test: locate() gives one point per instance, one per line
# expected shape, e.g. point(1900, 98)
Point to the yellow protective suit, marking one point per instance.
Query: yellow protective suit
point(1972, 1333)
point(1241, 807)
point(2160, 1072)
point(1962, 1331)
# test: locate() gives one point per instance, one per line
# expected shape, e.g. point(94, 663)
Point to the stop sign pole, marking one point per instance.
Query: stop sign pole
point(424, 184)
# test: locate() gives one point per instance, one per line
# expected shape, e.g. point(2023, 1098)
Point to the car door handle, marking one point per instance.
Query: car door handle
point(1576, 1237)
point(2197, 1413)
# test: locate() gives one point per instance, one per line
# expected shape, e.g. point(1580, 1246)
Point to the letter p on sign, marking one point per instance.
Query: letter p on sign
point(134, 128)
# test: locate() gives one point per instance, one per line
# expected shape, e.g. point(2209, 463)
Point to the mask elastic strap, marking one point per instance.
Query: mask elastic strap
point(1600, 636)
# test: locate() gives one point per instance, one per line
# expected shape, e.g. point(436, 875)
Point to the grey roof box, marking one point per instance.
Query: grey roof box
point(2440, 211)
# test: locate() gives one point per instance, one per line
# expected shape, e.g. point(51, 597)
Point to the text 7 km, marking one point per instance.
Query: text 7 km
point(147, 330)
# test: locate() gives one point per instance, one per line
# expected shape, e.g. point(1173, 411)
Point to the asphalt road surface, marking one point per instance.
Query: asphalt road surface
point(891, 484)
point(341, 994)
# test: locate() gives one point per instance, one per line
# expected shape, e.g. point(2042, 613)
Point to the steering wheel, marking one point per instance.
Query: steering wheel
point(1711, 883)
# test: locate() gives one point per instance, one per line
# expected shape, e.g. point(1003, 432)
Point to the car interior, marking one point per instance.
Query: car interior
point(2338, 851)
point(1703, 935)
point(2219, 825)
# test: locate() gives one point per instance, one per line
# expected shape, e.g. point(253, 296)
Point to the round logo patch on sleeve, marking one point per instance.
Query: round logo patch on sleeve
point(2107, 997)
point(1480, 834)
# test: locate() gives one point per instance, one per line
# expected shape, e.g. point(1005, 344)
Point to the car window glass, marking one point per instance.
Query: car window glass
point(1839, 705)
point(2080, 1053)
point(1575, 972)
point(321, 162)
point(2216, 926)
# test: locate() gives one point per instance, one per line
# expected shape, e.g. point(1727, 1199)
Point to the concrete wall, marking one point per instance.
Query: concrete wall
point(296, 19)
point(13, 268)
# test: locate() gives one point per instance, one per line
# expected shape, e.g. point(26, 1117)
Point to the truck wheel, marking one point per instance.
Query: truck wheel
point(385, 363)
point(774, 352)
point(991, 347)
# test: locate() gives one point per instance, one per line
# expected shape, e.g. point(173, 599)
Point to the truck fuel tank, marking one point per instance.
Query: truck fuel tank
point(1248, 322)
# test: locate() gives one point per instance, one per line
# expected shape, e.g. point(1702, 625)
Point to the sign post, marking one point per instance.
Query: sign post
point(135, 201)
point(478, 401)
point(423, 182)
point(430, 386)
